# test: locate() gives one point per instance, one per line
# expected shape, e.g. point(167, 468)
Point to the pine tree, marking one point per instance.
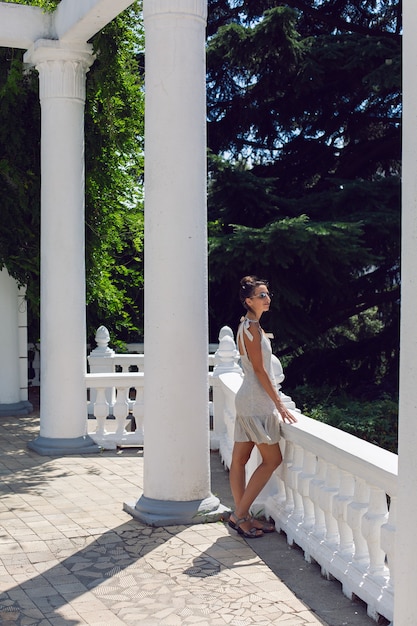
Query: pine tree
point(304, 108)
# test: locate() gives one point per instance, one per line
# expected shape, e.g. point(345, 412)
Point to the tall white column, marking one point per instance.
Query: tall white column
point(62, 73)
point(176, 426)
point(405, 604)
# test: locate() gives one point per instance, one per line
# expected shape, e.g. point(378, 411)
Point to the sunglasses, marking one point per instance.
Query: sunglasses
point(263, 295)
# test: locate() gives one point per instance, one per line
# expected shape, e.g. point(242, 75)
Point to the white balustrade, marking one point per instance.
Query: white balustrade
point(116, 391)
point(334, 496)
point(104, 359)
point(111, 426)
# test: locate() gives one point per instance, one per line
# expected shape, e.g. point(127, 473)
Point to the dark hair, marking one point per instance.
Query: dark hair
point(248, 284)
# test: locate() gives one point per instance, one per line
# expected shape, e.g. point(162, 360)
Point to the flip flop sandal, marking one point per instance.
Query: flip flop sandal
point(253, 533)
point(231, 523)
point(267, 527)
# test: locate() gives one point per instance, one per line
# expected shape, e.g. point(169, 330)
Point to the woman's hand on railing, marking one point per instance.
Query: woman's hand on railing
point(286, 415)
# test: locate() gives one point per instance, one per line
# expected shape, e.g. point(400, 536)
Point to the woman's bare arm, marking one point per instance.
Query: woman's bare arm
point(254, 352)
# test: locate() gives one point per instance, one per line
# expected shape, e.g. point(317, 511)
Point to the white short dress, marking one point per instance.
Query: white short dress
point(257, 418)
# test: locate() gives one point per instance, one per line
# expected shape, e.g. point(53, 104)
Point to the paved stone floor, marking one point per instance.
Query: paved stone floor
point(70, 555)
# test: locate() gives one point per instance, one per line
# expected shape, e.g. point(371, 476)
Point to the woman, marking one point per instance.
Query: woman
point(258, 407)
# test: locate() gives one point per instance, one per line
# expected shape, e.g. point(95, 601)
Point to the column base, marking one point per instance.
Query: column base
point(16, 408)
point(48, 446)
point(174, 513)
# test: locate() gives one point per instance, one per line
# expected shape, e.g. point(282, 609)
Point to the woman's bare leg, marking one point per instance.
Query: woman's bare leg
point(237, 474)
point(271, 459)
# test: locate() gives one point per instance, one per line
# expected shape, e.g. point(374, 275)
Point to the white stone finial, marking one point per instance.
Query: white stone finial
point(279, 378)
point(102, 338)
point(226, 356)
point(278, 371)
point(225, 330)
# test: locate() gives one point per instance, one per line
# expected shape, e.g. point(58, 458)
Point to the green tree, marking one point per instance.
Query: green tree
point(114, 178)
point(19, 173)
point(114, 172)
point(304, 130)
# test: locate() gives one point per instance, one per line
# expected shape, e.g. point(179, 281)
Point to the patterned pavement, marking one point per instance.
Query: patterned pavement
point(70, 555)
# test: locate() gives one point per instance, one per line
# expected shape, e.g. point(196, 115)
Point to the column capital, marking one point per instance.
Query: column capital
point(62, 67)
point(193, 8)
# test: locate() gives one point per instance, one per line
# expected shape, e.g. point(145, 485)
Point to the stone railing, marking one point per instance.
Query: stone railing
point(115, 395)
point(115, 385)
point(334, 495)
point(116, 411)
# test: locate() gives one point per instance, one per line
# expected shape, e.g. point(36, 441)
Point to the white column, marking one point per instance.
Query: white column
point(176, 423)
point(13, 334)
point(62, 72)
point(405, 604)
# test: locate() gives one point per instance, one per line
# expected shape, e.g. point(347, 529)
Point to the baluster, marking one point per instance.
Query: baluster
point(229, 415)
point(372, 521)
point(340, 506)
point(304, 480)
point(283, 471)
point(388, 538)
point(328, 491)
point(286, 501)
point(315, 489)
point(293, 473)
point(137, 410)
point(279, 496)
point(101, 411)
point(355, 511)
point(121, 409)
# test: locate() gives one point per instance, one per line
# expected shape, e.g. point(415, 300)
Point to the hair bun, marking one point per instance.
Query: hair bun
point(248, 281)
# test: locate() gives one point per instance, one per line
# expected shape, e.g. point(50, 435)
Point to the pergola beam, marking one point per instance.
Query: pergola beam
point(79, 20)
point(21, 25)
point(73, 21)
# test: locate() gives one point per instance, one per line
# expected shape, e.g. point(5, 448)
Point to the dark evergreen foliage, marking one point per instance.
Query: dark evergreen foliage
point(304, 111)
